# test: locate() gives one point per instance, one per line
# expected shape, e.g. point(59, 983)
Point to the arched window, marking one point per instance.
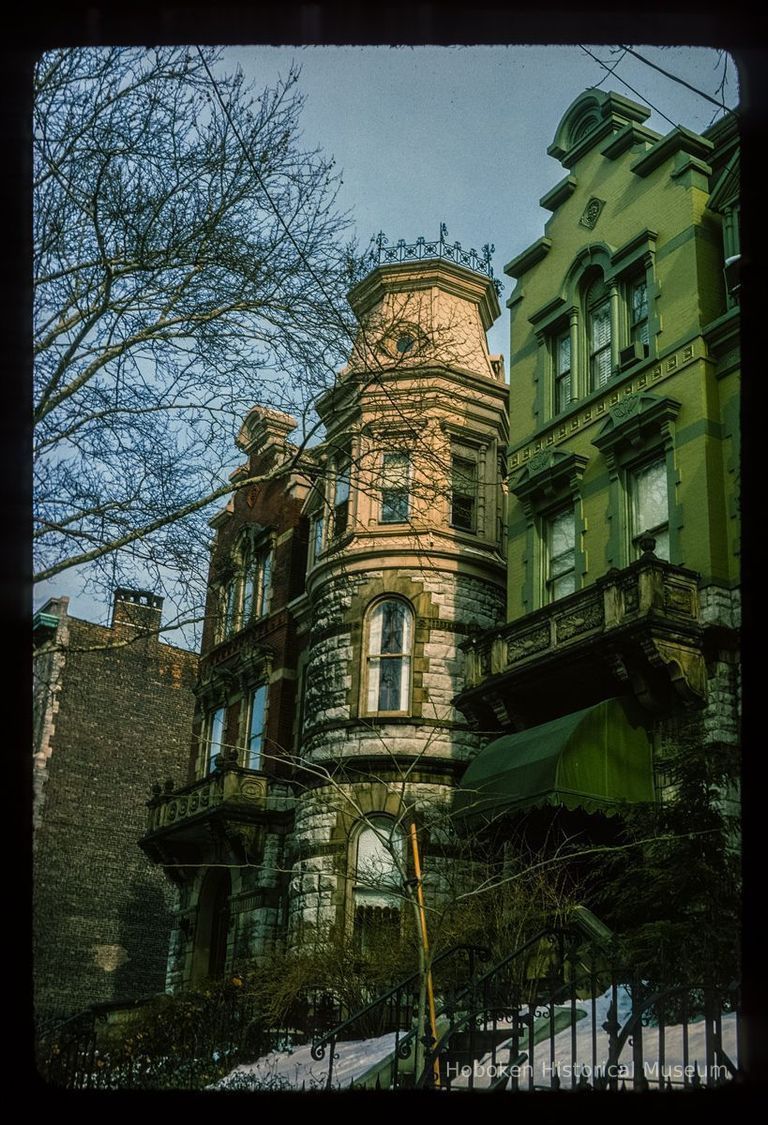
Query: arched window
point(245, 593)
point(379, 859)
point(388, 657)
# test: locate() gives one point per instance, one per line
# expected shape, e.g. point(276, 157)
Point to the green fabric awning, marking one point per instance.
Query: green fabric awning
point(595, 759)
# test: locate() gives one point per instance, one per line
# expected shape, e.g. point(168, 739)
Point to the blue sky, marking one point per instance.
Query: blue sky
point(424, 135)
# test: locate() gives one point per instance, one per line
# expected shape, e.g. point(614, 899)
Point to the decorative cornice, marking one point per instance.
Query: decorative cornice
point(548, 472)
point(725, 192)
point(629, 420)
point(632, 134)
point(592, 116)
point(595, 408)
point(264, 429)
point(529, 258)
point(645, 241)
point(557, 195)
point(679, 139)
point(551, 311)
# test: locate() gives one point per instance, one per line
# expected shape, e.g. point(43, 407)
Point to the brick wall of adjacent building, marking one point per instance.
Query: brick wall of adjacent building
point(113, 711)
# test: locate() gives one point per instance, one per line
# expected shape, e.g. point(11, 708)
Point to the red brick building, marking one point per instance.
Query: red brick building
point(222, 835)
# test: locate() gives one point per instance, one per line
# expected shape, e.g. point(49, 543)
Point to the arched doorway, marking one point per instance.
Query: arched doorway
point(210, 955)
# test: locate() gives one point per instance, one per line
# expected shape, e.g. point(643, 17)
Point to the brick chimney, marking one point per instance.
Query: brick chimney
point(138, 609)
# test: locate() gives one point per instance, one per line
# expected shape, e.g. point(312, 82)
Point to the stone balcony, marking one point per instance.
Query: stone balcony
point(225, 812)
point(634, 630)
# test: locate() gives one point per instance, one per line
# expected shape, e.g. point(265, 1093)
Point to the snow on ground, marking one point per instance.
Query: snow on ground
point(586, 1058)
point(296, 1069)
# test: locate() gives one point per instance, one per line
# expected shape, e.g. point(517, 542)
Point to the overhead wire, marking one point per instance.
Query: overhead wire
point(676, 78)
point(625, 83)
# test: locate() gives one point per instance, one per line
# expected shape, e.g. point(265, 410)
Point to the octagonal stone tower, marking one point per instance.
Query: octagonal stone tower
point(406, 560)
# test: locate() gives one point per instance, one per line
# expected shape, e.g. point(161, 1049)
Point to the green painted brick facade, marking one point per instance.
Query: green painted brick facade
point(663, 202)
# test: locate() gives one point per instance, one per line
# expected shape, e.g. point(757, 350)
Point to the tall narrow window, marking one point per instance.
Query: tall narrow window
point(215, 734)
point(463, 493)
point(257, 583)
point(599, 318)
point(231, 599)
point(256, 728)
point(395, 481)
point(390, 632)
point(562, 372)
point(318, 531)
point(560, 543)
point(341, 495)
point(379, 859)
point(650, 506)
point(638, 312)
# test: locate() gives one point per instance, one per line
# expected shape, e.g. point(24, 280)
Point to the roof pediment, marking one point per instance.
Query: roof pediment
point(593, 116)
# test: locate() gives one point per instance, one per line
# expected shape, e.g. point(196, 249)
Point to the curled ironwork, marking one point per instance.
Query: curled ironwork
point(383, 253)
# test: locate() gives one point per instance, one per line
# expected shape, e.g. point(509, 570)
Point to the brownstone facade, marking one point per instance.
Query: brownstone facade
point(222, 834)
point(112, 715)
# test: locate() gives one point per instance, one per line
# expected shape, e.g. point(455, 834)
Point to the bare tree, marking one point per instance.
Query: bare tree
point(189, 260)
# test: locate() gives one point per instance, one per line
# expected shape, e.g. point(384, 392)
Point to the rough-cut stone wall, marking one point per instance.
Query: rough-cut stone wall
point(102, 912)
point(322, 844)
point(718, 723)
point(364, 755)
point(257, 908)
point(447, 606)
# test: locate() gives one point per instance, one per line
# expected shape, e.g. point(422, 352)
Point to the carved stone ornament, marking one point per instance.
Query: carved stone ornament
point(592, 212)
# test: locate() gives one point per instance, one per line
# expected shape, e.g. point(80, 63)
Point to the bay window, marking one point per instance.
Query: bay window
point(379, 856)
point(341, 494)
point(463, 493)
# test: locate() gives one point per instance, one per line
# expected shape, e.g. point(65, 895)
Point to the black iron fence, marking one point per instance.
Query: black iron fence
point(397, 1011)
point(185, 1042)
point(584, 1027)
point(554, 1014)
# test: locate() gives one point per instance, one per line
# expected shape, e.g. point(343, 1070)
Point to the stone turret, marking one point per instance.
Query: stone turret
point(406, 562)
